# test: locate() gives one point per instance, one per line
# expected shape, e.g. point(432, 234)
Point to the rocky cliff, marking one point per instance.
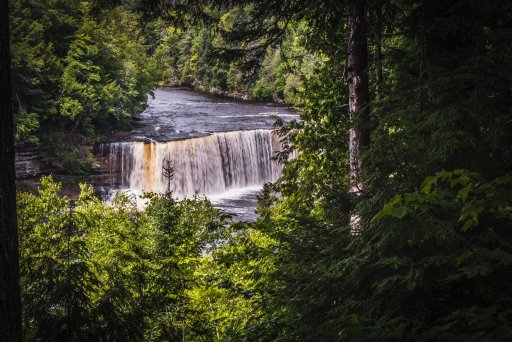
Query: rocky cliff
point(32, 162)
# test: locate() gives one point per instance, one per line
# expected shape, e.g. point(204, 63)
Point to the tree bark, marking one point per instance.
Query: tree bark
point(359, 97)
point(359, 94)
point(378, 52)
point(10, 302)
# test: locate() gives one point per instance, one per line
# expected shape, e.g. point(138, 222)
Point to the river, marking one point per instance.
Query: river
point(219, 147)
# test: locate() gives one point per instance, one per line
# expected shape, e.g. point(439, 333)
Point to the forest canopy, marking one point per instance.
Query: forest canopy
point(77, 74)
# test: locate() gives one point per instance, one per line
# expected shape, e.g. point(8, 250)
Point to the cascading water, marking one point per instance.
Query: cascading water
point(208, 165)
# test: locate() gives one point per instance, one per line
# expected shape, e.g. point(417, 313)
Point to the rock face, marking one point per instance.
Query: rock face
point(34, 161)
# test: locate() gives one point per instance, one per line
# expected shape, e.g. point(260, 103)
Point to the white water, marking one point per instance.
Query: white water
point(211, 165)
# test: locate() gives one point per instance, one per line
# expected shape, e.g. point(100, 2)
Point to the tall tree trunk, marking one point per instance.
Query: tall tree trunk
point(378, 52)
point(10, 303)
point(359, 94)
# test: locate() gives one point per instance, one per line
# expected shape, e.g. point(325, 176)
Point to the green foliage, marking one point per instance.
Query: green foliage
point(73, 152)
point(77, 72)
point(202, 57)
point(447, 248)
point(182, 232)
point(314, 182)
point(56, 268)
point(98, 271)
point(26, 125)
point(234, 293)
point(262, 91)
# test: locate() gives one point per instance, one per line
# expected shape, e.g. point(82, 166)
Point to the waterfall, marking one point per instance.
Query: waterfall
point(206, 165)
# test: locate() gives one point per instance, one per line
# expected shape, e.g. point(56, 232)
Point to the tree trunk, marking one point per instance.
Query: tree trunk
point(359, 95)
point(10, 303)
point(378, 52)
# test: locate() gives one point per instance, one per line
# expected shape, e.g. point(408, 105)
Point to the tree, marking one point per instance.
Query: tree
point(10, 302)
point(358, 90)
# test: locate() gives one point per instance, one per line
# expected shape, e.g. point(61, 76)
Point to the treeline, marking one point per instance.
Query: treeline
point(203, 57)
point(78, 73)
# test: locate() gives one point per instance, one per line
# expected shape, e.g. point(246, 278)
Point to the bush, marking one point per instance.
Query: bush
point(262, 91)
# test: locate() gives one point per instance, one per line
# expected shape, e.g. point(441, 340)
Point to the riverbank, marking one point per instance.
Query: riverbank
point(239, 96)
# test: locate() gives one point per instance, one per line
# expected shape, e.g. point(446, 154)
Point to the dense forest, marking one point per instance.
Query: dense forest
point(391, 220)
point(77, 74)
